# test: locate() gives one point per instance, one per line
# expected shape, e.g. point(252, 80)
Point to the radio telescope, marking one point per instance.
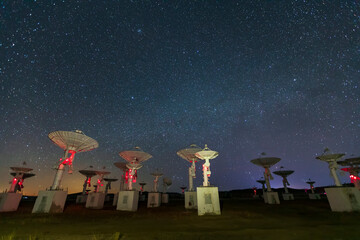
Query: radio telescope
point(284, 174)
point(71, 142)
point(125, 172)
point(311, 183)
point(88, 174)
point(262, 182)
point(9, 201)
point(332, 159)
point(183, 189)
point(207, 196)
point(156, 175)
point(189, 155)
point(167, 182)
point(266, 162)
point(206, 154)
point(128, 200)
point(20, 174)
point(353, 170)
point(134, 158)
point(108, 183)
point(142, 184)
point(99, 182)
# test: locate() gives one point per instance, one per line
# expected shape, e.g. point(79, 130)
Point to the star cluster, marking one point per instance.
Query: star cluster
point(244, 77)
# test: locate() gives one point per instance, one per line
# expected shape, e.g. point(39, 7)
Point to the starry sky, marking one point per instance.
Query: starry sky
point(244, 77)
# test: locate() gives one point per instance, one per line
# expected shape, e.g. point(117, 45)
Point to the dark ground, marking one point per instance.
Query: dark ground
point(240, 219)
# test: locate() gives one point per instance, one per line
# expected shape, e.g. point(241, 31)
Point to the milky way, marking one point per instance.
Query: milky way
point(244, 77)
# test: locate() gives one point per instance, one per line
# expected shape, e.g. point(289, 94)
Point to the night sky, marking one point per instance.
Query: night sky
point(244, 77)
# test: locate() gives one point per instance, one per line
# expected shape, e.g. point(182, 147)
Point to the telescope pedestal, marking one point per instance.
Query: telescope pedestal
point(208, 201)
point(154, 199)
point(271, 198)
point(50, 202)
point(95, 200)
point(128, 201)
point(165, 198)
point(343, 199)
point(9, 202)
point(81, 198)
point(314, 196)
point(190, 200)
point(288, 196)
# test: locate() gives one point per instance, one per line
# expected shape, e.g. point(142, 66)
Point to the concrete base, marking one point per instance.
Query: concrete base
point(208, 201)
point(50, 202)
point(314, 196)
point(271, 198)
point(128, 201)
point(343, 199)
point(95, 200)
point(154, 199)
point(81, 199)
point(9, 202)
point(164, 198)
point(115, 200)
point(190, 200)
point(256, 196)
point(288, 196)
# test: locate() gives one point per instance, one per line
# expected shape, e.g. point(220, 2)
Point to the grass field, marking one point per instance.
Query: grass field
point(240, 219)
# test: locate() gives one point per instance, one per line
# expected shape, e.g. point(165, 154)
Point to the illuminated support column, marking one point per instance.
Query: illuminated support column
point(266, 176)
point(191, 176)
point(60, 170)
point(156, 183)
point(85, 185)
point(285, 183)
point(312, 188)
point(130, 180)
point(206, 173)
point(14, 182)
point(333, 167)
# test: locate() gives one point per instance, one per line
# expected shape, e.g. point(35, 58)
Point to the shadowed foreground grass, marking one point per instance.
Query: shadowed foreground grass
point(240, 219)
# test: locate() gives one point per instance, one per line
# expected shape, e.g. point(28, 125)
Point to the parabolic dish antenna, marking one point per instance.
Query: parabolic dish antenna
point(21, 169)
point(189, 155)
point(73, 140)
point(332, 159)
point(121, 165)
point(350, 161)
point(88, 173)
point(261, 181)
point(266, 162)
point(310, 182)
point(135, 156)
